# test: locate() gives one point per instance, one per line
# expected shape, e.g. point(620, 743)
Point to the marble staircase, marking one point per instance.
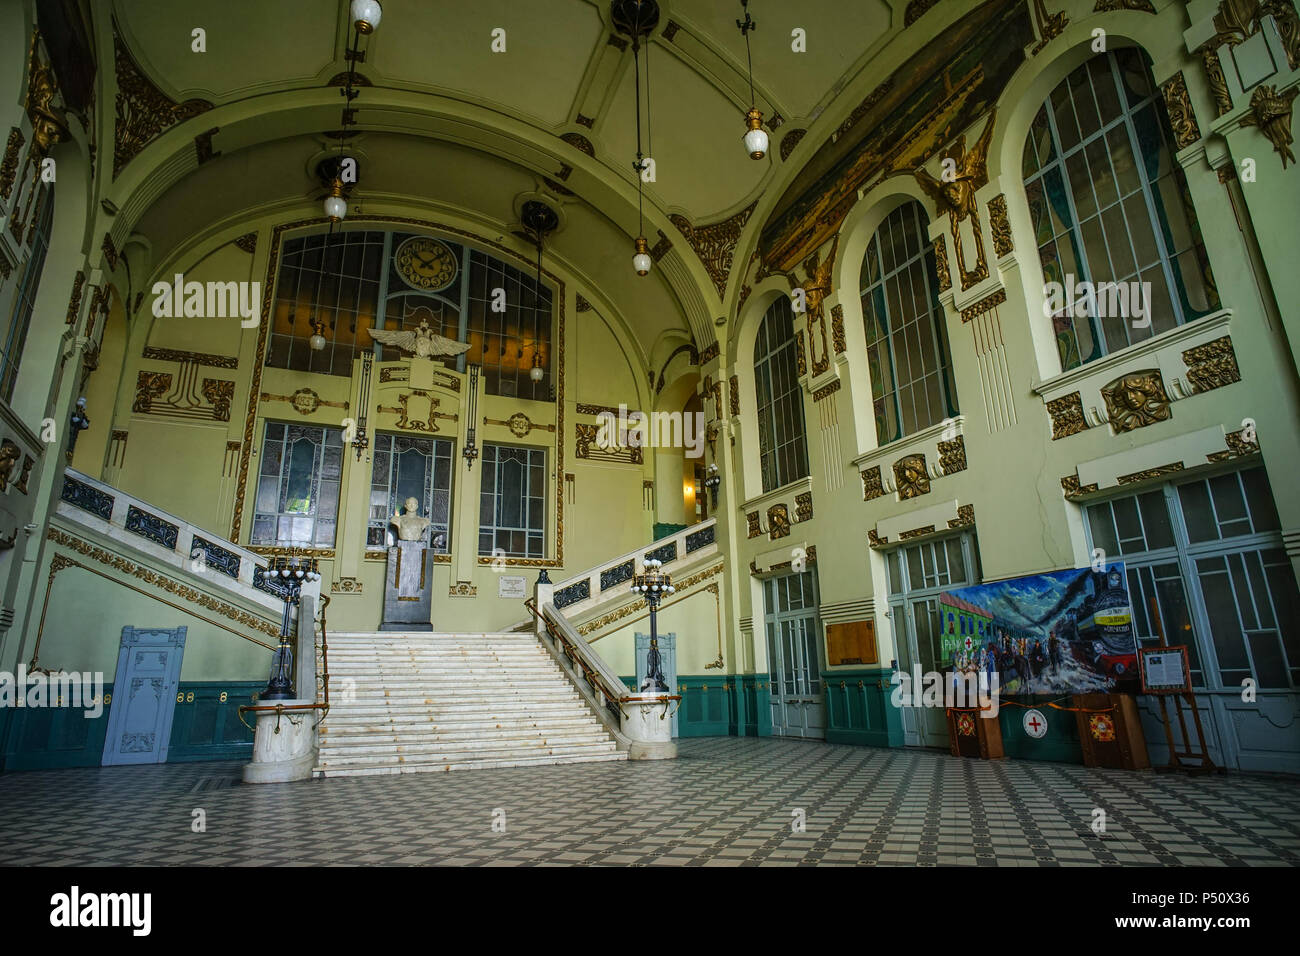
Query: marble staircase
point(409, 703)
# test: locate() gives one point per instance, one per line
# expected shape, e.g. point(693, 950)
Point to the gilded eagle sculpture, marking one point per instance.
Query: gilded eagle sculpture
point(423, 342)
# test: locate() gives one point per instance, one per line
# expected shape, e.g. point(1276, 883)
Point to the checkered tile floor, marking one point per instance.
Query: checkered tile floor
point(723, 802)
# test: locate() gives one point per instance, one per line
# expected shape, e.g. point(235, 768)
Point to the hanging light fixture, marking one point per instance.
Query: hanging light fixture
point(756, 141)
point(638, 18)
point(539, 220)
point(366, 15)
point(336, 207)
point(317, 340)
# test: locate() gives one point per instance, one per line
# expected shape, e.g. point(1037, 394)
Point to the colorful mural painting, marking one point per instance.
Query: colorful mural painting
point(1069, 632)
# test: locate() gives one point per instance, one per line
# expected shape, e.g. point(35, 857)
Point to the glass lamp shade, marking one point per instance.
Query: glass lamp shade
point(336, 208)
point(756, 141)
point(642, 262)
point(317, 342)
point(366, 15)
point(537, 372)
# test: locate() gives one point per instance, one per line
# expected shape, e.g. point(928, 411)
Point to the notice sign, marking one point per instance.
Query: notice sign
point(1165, 670)
point(512, 586)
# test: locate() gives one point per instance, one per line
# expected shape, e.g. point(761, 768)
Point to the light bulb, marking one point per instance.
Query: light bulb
point(642, 262)
point(756, 139)
point(336, 208)
point(366, 15)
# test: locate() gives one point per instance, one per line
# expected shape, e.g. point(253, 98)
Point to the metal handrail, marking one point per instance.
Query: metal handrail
point(582, 658)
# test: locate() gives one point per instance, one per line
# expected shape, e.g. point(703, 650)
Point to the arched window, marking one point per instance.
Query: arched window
point(1110, 205)
point(15, 336)
point(907, 345)
point(782, 452)
point(354, 280)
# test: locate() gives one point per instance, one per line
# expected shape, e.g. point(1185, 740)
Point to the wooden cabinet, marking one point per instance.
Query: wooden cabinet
point(970, 735)
point(1111, 738)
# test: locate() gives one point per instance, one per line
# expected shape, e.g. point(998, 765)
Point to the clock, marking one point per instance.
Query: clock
point(426, 264)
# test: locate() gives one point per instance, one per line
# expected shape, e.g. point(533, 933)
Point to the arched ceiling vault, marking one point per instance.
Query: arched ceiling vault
point(444, 120)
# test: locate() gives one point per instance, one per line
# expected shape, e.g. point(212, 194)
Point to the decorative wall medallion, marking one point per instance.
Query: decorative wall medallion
point(519, 424)
point(1157, 472)
point(9, 166)
point(1000, 226)
point(347, 586)
point(826, 391)
point(986, 304)
point(403, 411)
point(462, 590)
point(1271, 112)
point(956, 198)
point(790, 141)
point(715, 243)
point(751, 519)
point(778, 521)
point(143, 112)
point(803, 506)
point(965, 517)
point(1212, 365)
point(1182, 118)
point(1070, 485)
point(911, 477)
point(872, 485)
point(1067, 415)
point(1136, 400)
point(952, 455)
point(944, 275)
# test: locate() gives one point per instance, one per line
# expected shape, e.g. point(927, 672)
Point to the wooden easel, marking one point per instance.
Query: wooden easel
point(1178, 758)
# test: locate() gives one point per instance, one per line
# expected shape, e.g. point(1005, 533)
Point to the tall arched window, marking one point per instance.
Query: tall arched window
point(907, 345)
point(1110, 205)
point(781, 448)
point(20, 321)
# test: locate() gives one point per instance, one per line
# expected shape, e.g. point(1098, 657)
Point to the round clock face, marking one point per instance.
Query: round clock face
point(425, 264)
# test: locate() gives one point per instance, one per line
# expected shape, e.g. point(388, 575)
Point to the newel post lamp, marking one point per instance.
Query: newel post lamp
point(290, 574)
point(653, 584)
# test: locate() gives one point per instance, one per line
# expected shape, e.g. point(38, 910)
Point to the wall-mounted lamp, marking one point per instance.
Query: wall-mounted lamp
point(713, 482)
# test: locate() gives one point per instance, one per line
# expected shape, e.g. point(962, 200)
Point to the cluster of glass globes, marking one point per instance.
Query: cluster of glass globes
point(652, 566)
point(297, 571)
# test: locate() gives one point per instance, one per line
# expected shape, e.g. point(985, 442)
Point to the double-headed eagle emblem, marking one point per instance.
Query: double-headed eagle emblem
point(423, 342)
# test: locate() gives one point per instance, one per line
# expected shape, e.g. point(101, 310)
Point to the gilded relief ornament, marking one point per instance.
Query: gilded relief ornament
point(733, 396)
point(9, 166)
point(1136, 400)
point(872, 485)
point(1111, 6)
point(911, 477)
point(954, 195)
point(803, 506)
point(941, 264)
point(837, 330)
point(143, 112)
point(422, 342)
point(1050, 25)
point(1182, 118)
point(1000, 226)
point(1212, 365)
point(715, 244)
point(1067, 415)
point(9, 455)
point(1271, 112)
point(816, 286)
point(752, 523)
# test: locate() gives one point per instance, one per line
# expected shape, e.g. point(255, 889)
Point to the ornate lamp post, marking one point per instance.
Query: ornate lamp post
point(292, 573)
point(653, 584)
point(713, 482)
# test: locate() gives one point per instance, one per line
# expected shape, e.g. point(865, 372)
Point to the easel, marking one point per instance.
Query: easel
point(1176, 757)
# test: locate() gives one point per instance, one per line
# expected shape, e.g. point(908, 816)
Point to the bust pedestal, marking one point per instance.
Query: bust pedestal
point(408, 588)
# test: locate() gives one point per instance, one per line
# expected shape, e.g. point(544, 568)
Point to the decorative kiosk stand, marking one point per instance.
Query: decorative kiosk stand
point(407, 592)
point(647, 718)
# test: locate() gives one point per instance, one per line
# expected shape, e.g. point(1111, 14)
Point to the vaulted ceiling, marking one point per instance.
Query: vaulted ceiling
point(444, 120)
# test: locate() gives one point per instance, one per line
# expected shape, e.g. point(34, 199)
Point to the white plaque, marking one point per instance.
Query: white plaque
point(512, 586)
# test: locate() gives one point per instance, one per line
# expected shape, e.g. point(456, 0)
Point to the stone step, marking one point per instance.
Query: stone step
point(560, 757)
point(464, 753)
point(455, 724)
point(437, 744)
point(493, 710)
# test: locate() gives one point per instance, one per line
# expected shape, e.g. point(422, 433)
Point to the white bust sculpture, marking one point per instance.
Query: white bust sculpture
point(410, 526)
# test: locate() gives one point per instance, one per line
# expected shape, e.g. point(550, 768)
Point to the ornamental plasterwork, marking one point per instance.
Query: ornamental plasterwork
point(1212, 365)
point(1070, 485)
point(816, 287)
point(1149, 473)
point(911, 477)
point(143, 111)
point(952, 455)
point(872, 486)
point(403, 412)
point(1182, 118)
point(778, 521)
point(1000, 226)
point(633, 607)
point(955, 196)
point(1136, 400)
point(519, 424)
point(803, 506)
point(305, 401)
point(1112, 6)
point(837, 330)
point(752, 523)
point(1238, 445)
point(1271, 112)
point(1067, 415)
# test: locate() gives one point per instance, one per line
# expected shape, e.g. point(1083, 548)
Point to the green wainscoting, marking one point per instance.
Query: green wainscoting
point(858, 708)
point(45, 738)
point(206, 727)
point(722, 705)
point(1061, 742)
